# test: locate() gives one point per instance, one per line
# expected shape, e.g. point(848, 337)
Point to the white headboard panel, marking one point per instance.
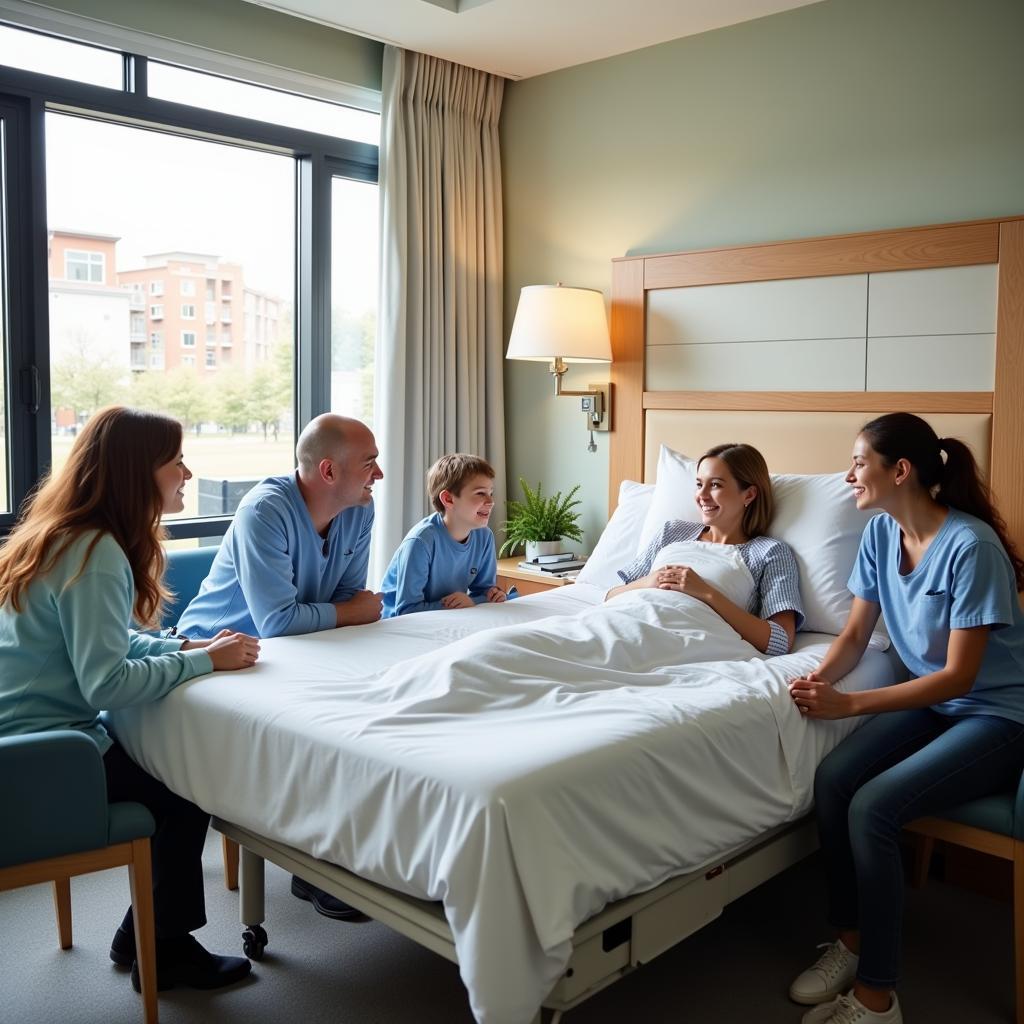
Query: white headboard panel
point(914, 330)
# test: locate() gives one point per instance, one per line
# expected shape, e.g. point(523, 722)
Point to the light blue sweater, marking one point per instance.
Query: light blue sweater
point(274, 575)
point(70, 652)
point(430, 564)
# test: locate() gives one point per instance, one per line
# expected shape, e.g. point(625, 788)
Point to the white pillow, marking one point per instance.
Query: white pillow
point(616, 546)
point(675, 494)
point(815, 515)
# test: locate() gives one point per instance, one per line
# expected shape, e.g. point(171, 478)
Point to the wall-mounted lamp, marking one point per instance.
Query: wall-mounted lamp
point(559, 325)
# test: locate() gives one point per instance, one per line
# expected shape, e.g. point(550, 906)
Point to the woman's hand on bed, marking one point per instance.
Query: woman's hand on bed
point(457, 600)
point(234, 651)
point(818, 698)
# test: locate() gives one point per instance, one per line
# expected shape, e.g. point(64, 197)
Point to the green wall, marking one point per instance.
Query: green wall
point(846, 115)
point(245, 30)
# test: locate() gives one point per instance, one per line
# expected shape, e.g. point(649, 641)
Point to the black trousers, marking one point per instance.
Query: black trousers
point(177, 845)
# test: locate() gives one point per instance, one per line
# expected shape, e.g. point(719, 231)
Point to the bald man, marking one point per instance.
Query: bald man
point(294, 560)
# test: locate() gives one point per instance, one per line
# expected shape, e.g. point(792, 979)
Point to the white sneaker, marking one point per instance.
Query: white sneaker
point(830, 975)
point(849, 1010)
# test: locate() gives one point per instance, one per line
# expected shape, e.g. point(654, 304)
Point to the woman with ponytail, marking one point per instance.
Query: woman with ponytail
point(939, 566)
point(83, 564)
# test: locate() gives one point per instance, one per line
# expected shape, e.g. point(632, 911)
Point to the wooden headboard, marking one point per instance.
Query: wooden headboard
point(784, 420)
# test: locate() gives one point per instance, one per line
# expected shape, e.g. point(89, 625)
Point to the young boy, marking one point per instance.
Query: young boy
point(447, 560)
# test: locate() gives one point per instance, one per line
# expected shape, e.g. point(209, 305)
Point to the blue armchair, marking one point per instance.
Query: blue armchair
point(186, 570)
point(994, 825)
point(57, 823)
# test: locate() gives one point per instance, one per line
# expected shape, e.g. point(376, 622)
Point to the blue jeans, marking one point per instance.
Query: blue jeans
point(899, 766)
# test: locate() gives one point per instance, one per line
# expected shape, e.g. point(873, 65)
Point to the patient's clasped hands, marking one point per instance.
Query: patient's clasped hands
point(682, 579)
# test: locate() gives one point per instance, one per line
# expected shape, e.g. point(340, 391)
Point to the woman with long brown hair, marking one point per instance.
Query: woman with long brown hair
point(735, 506)
point(84, 564)
point(939, 565)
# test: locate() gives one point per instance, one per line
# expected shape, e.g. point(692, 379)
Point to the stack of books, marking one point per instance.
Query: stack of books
point(565, 562)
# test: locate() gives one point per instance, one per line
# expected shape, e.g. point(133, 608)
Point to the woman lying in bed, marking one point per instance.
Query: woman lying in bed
point(734, 498)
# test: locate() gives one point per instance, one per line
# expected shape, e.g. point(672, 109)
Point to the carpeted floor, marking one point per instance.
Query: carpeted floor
point(958, 963)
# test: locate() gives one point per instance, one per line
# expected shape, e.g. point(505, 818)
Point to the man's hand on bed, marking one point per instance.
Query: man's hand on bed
point(362, 607)
point(496, 595)
point(818, 698)
point(457, 600)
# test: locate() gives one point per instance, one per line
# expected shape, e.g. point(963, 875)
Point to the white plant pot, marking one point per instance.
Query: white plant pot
point(536, 548)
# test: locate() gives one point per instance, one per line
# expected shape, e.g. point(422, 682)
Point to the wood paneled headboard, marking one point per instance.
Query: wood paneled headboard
point(643, 412)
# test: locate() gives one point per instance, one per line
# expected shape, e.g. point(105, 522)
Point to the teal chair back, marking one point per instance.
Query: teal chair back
point(185, 573)
point(57, 824)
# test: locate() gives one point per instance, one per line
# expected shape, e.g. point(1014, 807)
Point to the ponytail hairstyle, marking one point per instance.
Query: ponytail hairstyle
point(109, 485)
point(747, 465)
point(956, 483)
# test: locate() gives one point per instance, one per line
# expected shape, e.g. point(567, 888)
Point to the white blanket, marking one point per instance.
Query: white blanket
point(525, 776)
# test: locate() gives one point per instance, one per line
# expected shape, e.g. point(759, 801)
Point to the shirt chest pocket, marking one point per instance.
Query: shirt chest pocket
point(934, 605)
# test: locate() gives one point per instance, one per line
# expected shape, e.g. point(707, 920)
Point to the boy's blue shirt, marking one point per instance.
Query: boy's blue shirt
point(430, 564)
point(274, 575)
point(70, 652)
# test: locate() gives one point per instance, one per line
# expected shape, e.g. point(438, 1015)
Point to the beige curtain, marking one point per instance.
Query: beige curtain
point(440, 342)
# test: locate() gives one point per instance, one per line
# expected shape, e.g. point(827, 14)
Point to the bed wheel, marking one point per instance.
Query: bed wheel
point(254, 941)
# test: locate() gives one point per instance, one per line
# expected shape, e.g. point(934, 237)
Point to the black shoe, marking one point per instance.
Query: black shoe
point(122, 948)
point(326, 904)
point(185, 962)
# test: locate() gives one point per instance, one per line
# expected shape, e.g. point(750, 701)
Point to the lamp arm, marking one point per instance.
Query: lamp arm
point(558, 368)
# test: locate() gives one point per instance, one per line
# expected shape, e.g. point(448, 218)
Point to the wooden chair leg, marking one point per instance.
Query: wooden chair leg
point(62, 906)
point(923, 847)
point(1018, 926)
point(230, 850)
point(140, 873)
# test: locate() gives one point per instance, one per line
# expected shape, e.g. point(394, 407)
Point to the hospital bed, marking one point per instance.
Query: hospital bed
point(574, 942)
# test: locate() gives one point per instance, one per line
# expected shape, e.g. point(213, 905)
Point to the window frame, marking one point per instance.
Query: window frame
point(92, 260)
point(29, 96)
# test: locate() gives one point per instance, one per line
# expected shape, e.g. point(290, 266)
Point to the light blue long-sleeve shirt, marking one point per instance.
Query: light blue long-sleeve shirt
point(274, 575)
point(430, 564)
point(70, 652)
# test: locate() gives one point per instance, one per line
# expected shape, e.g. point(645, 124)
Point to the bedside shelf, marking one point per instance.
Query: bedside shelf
point(526, 582)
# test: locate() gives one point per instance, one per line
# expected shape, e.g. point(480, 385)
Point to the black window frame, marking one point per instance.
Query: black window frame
point(26, 97)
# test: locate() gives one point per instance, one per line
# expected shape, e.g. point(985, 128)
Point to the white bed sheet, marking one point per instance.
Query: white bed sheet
point(524, 811)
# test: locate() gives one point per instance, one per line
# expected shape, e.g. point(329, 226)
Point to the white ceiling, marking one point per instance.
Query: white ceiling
point(521, 38)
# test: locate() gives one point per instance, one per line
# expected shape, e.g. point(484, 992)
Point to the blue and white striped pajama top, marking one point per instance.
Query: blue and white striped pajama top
point(771, 563)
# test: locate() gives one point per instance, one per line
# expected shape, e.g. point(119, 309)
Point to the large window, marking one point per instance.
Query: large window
point(174, 212)
point(239, 421)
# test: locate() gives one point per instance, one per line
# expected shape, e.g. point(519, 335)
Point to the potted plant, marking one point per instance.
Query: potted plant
point(538, 521)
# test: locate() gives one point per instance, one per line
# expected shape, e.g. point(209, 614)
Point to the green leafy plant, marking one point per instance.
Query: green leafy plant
point(539, 518)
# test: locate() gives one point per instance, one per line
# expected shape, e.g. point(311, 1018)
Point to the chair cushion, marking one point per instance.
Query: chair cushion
point(992, 813)
point(53, 796)
point(127, 821)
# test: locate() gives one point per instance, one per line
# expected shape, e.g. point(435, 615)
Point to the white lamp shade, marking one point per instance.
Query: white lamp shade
point(552, 321)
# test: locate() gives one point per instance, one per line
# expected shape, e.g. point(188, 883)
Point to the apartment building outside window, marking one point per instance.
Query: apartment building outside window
point(188, 311)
